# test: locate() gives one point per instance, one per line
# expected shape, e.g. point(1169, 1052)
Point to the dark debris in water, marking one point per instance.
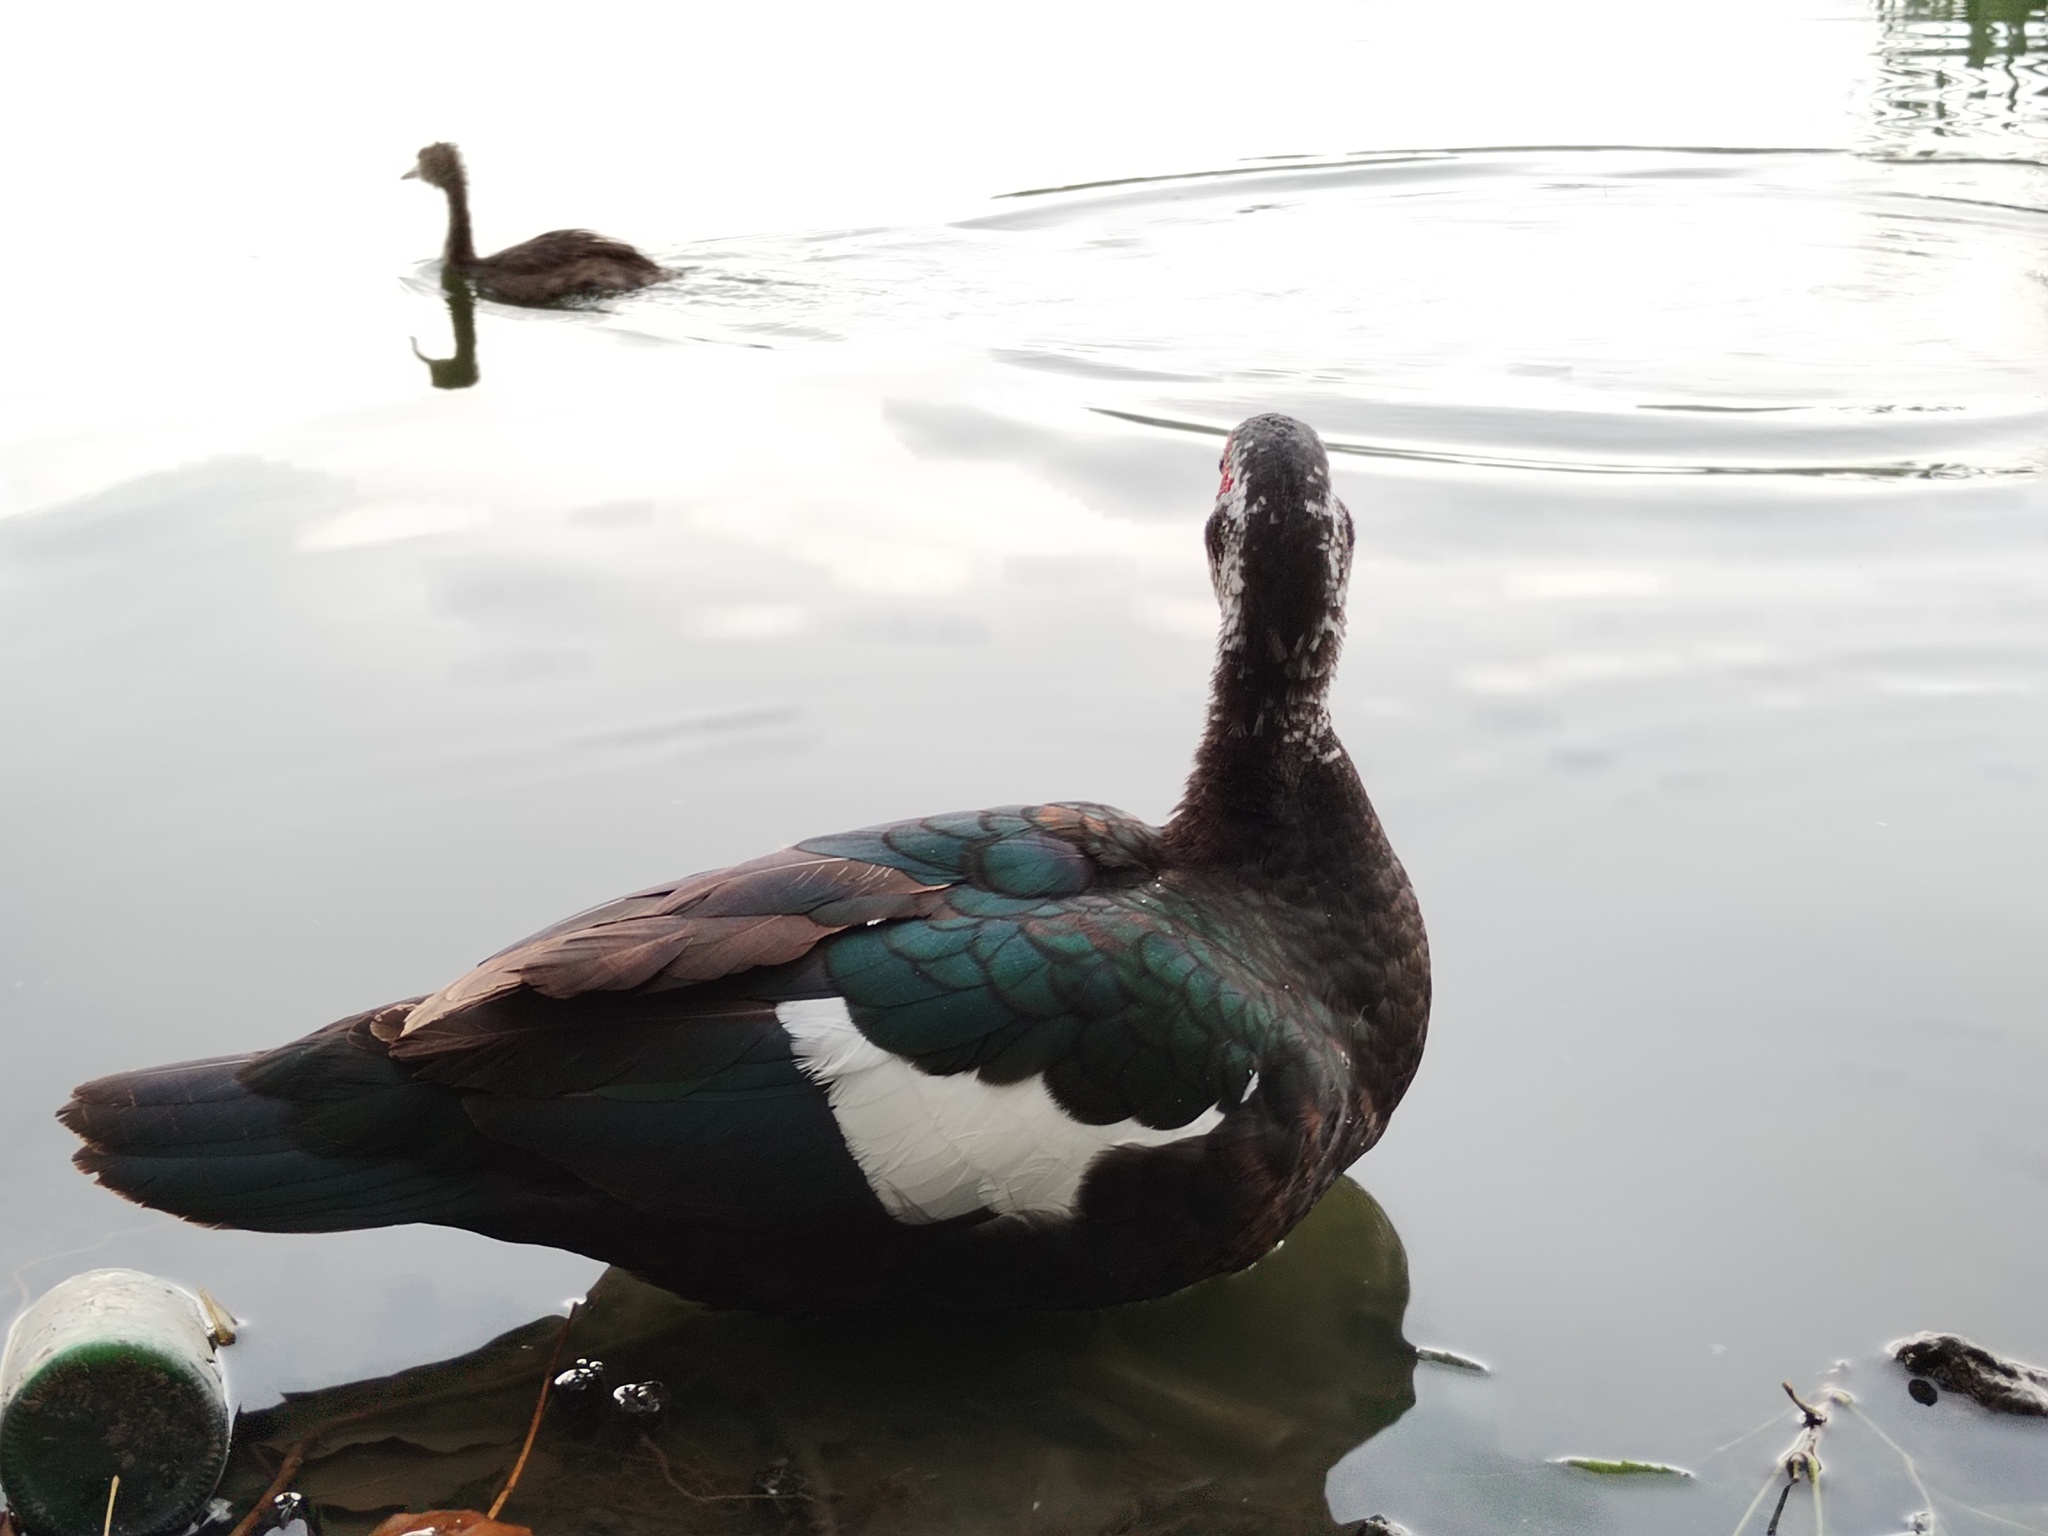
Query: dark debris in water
point(1954, 1364)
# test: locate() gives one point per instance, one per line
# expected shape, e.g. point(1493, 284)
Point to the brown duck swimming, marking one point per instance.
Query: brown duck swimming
point(561, 264)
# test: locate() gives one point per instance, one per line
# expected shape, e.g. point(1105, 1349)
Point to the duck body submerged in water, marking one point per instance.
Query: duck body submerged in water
point(1037, 1056)
point(561, 264)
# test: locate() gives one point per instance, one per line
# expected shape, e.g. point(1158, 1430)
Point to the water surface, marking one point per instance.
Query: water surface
point(1686, 387)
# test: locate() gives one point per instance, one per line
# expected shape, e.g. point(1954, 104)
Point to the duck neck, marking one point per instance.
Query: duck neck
point(1272, 786)
point(459, 252)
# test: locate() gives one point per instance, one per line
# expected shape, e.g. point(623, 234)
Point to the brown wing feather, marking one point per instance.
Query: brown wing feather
point(768, 911)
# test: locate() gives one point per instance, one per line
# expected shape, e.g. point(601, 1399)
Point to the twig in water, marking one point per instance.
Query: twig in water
point(1813, 1416)
point(113, 1492)
point(667, 1472)
point(286, 1471)
point(540, 1408)
point(668, 1476)
point(1802, 1461)
point(1778, 1513)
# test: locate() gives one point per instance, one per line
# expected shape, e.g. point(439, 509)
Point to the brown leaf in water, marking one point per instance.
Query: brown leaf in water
point(448, 1522)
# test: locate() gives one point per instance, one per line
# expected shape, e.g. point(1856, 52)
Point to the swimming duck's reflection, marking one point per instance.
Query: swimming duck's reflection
point(1219, 1410)
point(459, 371)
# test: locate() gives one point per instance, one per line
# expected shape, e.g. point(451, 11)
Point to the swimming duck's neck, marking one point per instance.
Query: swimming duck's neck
point(1272, 786)
point(460, 250)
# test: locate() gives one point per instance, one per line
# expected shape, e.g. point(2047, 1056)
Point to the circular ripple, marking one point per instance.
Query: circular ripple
point(1609, 311)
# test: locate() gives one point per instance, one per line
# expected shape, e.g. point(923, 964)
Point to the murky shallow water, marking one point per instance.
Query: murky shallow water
point(1698, 646)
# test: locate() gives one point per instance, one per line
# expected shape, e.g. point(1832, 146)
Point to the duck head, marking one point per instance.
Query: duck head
point(439, 165)
point(1280, 558)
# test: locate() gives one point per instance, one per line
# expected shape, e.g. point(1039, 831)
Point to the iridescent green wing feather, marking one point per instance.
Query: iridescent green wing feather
point(1054, 955)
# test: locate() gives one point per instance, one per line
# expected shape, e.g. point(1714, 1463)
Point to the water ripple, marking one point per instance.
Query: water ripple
point(1595, 310)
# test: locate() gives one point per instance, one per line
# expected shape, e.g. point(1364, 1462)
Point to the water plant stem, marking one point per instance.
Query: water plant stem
point(1755, 1504)
point(286, 1471)
point(1779, 1513)
point(113, 1493)
point(540, 1408)
point(668, 1475)
point(1801, 1461)
point(1927, 1493)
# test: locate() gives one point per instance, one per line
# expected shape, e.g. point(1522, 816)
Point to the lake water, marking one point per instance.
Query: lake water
point(1685, 375)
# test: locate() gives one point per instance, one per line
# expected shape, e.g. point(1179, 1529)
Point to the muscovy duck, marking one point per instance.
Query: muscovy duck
point(1034, 1057)
point(561, 264)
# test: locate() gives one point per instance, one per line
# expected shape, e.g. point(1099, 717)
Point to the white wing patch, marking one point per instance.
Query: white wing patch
point(932, 1148)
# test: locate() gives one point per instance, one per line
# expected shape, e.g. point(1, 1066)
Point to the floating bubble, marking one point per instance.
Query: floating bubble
point(641, 1397)
point(581, 1376)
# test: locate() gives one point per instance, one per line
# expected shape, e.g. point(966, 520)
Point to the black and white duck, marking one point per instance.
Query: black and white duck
point(1036, 1056)
point(561, 264)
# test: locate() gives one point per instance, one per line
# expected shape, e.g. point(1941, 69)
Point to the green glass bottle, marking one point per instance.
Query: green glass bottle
point(112, 1373)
